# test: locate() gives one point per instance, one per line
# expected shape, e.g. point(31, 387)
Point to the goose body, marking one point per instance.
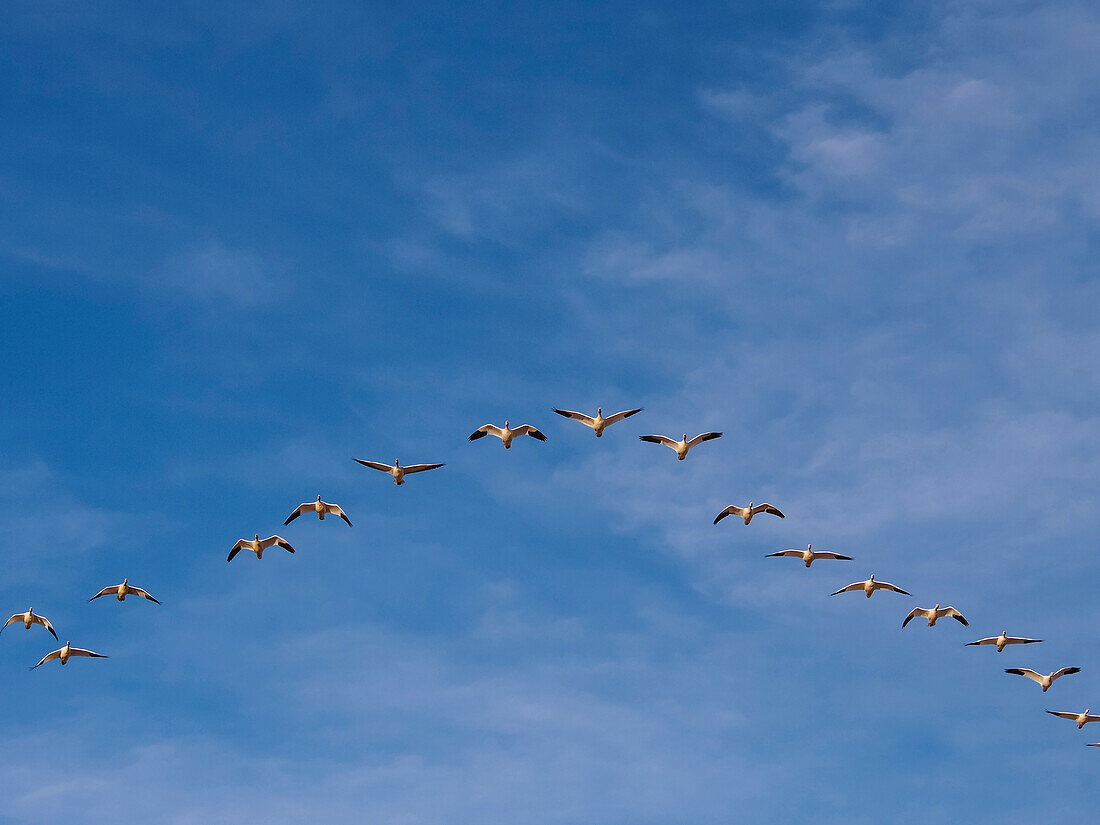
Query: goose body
point(682, 446)
point(598, 423)
point(746, 513)
point(63, 653)
point(933, 614)
point(506, 433)
point(1004, 640)
point(869, 586)
point(321, 508)
point(1043, 681)
point(809, 555)
point(1081, 719)
point(257, 545)
point(396, 470)
point(121, 591)
point(29, 618)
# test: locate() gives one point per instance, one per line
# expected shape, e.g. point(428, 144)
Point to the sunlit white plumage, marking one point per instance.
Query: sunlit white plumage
point(396, 470)
point(809, 555)
point(870, 585)
point(63, 653)
point(321, 508)
point(1081, 719)
point(934, 614)
point(682, 446)
point(29, 618)
point(746, 513)
point(1043, 681)
point(257, 545)
point(598, 422)
point(121, 591)
point(1004, 640)
point(506, 433)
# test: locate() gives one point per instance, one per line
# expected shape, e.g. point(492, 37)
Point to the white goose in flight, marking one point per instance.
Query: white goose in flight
point(506, 433)
point(809, 555)
point(683, 445)
point(870, 586)
point(396, 470)
point(934, 614)
point(747, 513)
point(121, 591)
point(1003, 640)
point(1081, 719)
point(1043, 681)
point(257, 545)
point(321, 508)
point(598, 423)
point(29, 618)
point(63, 653)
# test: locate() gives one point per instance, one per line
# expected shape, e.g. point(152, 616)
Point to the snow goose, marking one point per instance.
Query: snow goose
point(321, 508)
point(257, 545)
point(396, 470)
point(934, 614)
point(506, 433)
point(1003, 640)
point(683, 445)
point(747, 513)
point(63, 653)
point(870, 586)
point(29, 618)
point(121, 591)
point(1081, 719)
point(1043, 681)
point(809, 555)
point(598, 423)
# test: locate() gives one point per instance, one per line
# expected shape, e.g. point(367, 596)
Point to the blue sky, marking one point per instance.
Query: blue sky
point(240, 248)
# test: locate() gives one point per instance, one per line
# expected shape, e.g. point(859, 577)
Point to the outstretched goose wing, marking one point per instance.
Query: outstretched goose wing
point(797, 553)
point(828, 554)
point(374, 465)
point(143, 593)
point(240, 545)
point(954, 614)
point(297, 512)
point(699, 439)
point(49, 657)
point(852, 586)
point(767, 508)
point(79, 651)
point(916, 611)
point(18, 617)
point(576, 416)
point(1063, 714)
point(276, 540)
point(894, 587)
point(105, 591)
point(527, 429)
point(419, 468)
point(1027, 672)
point(484, 430)
point(1065, 671)
point(42, 620)
point(619, 416)
point(992, 640)
point(658, 439)
point(1020, 640)
point(335, 509)
point(732, 510)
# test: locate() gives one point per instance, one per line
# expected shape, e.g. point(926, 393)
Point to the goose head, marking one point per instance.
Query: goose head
point(318, 498)
point(256, 537)
point(396, 463)
point(599, 412)
point(937, 607)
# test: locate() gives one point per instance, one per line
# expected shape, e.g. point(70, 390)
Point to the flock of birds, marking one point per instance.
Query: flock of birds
point(598, 424)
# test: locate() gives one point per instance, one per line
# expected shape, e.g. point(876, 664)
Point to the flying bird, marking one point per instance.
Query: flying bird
point(933, 614)
point(506, 434)
point(121, 591)
point(747, 513)
point(870, 586)
point(1003, 640)
point(258, 545)
point(29, 618)
point(63, 653)
point(321, 508)
point(809, 555)
point(397, 471)
point(1043, 681)
point(599, 423)
point(683, 445)
point(1081, 719)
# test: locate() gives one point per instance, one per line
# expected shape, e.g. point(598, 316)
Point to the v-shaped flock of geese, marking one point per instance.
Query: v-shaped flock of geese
point(598, 423)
